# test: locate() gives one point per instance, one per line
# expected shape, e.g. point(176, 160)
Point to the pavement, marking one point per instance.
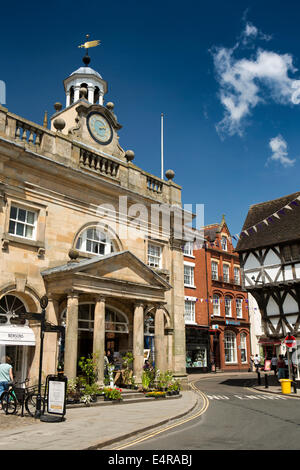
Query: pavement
point(94, 427)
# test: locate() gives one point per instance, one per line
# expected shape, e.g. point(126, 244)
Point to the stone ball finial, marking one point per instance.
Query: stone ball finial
point(83, 93)
point(59, 124)
point(57, 106)
point(169, 174)
point(73, 254)
point(86, 59)
point(129, 155)
point(110, 105)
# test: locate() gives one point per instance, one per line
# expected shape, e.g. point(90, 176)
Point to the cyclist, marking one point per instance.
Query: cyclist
point(6, 374)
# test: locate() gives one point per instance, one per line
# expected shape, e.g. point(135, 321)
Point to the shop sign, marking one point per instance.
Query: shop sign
point(11, 335)
point(232, 322)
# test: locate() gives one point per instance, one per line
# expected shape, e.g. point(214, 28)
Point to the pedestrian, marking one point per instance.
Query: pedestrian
point(281, 367)
point(257, 362)
point(274, 361)
point(6, 374)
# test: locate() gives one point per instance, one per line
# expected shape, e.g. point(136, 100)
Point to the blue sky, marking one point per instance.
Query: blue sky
point(223, 73)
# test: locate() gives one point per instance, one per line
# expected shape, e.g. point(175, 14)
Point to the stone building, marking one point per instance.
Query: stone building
point(75, 226)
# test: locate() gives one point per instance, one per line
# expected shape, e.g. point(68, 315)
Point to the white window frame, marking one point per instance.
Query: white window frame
point(191, 275)
point(239, 307)
point(188, 249)
point(83, 240)
point(237, 275)
point(24, 223)
point(227, 270)
point(224, 246)
point(243, 344)
point(214, 272)
point(154, 255)
point(190, 316)
point(216, 305)
point(226, 299)
point(230, 346)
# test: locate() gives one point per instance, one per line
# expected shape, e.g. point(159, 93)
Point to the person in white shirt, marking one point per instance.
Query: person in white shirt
point(256, 362)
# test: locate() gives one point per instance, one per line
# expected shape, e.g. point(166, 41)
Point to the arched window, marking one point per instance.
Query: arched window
point(10, 307)
point(92, 240)
point(230, 347)
point(243, 347)
point(216, 304)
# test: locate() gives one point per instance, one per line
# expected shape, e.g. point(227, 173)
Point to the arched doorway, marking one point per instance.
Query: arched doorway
point(15, 334)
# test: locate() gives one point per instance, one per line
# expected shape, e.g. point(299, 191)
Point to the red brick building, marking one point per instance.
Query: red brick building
point(216, 308)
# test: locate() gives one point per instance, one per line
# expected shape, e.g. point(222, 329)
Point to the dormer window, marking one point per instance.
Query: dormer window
point(224, 243)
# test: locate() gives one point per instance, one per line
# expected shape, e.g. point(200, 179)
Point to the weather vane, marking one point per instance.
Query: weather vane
point(89, 44)
point(86, 59)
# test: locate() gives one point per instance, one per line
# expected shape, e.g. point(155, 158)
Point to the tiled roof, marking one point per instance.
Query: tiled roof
point(285, 229)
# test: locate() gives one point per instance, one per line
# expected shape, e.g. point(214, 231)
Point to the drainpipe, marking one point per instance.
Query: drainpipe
point(208, 321)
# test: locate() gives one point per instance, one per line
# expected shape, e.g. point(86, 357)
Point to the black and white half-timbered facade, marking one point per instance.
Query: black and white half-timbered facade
point(269, 250)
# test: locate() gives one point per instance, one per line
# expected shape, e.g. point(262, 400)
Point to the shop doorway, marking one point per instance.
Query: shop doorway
point(18, 355)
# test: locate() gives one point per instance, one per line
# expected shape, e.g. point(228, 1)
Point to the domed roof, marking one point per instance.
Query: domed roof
point(86, 71)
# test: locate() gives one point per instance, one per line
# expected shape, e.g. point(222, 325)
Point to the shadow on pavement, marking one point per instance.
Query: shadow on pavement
point(248, 382)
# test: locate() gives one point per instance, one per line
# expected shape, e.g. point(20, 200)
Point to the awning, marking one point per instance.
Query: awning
point(17, 336)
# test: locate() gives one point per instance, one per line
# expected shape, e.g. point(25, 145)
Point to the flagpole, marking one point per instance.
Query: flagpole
point(162, 146)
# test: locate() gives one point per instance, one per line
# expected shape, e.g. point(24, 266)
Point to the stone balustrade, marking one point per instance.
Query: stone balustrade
point(72, 153)
point(99, 164)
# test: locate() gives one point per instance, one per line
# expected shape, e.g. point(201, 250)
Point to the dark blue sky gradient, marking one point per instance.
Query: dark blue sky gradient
point(156, 58)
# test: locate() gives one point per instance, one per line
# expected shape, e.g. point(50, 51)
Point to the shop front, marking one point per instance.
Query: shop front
point(17, 339)
point(197, 349)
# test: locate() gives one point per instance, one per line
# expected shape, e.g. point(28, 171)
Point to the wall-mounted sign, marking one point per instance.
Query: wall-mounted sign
point(232, 322)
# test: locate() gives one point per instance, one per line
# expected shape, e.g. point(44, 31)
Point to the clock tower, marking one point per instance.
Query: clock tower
point(86, 118)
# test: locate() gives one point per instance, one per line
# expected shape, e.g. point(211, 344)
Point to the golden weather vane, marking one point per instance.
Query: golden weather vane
point(89, 44)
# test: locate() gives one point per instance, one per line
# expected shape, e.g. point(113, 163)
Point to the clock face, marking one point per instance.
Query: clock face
point(99, 128)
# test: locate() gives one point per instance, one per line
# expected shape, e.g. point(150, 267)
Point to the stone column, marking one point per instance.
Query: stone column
point(71, 338)
point(99, 338)
point(91, 94)
point(50, 339)
point(67, 98)
point(138, 341)
point(76, 92)
point(160, 353)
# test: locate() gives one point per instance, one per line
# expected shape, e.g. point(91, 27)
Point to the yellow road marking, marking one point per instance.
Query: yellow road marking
point(179, 423)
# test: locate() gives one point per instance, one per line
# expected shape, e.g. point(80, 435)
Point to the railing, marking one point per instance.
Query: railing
point(100, 164)
point(154, 184)
point(27, 133)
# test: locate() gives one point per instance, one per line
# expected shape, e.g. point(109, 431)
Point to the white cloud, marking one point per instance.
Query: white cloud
point(279, 151)
point(246, 82)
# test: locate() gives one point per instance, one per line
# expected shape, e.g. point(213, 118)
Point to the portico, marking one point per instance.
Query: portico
point(118, 282)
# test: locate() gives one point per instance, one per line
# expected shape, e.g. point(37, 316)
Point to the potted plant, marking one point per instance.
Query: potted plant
point(73, 393)
point(112, 394)
point(156, 394)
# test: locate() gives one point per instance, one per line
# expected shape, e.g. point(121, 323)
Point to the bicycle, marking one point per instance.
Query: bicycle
point(19, 396)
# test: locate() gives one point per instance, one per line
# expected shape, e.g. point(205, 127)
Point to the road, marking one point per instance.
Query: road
point(235, 418)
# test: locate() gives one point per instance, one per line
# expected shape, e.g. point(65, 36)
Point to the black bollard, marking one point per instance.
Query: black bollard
point(266, 381)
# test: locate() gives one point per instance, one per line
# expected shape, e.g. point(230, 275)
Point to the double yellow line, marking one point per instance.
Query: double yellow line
point(172, 426)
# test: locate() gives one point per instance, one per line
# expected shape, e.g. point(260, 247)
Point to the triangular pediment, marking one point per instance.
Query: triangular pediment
point(121, 266)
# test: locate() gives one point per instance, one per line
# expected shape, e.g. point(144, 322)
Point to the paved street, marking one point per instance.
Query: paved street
point(237, 418)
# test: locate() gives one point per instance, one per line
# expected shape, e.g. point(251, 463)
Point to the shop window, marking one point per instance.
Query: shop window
point(230, 347)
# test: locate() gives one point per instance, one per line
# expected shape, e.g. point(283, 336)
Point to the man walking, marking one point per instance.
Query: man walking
point(257, 362)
